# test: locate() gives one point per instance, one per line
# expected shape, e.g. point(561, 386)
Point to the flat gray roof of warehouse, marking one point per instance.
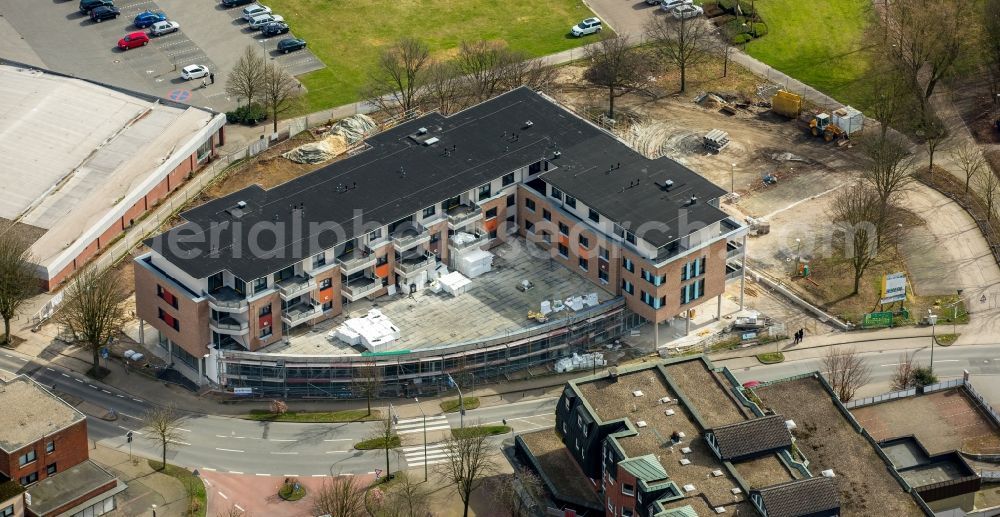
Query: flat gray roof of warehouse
point(398, 176)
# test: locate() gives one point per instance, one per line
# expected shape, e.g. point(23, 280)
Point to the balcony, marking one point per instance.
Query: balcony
point(463, 241)
point(359, 288)
point(226, 299)
point(462, 215)
point(733, 250)
point(412, 264)
point(355, 261)
point(298, 314)
point(229, 326)
point(733, 271)
point(409, 235)
point(295, 286)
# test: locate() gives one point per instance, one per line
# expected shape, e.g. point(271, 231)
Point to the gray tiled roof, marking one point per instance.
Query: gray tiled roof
point(752, 436)
point(801, 497)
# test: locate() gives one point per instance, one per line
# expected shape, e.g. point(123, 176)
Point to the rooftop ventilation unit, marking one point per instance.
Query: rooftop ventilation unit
point(528, 124)
point(685, 450)
point(613, 373)
point(720, 509)
point(828, 473)
point(664, 400)
point(640, 423)
point(422, 131)
point(684, 461)
point(689, 488)
point(241, 204)
point(790, 424)
point(735, 490)
point(669, 412)
point(432, 140)
point(637, 393)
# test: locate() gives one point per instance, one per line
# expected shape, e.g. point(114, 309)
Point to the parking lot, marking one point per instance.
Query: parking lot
point(68, 41)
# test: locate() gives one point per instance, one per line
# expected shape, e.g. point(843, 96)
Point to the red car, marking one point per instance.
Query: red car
point(136, 39)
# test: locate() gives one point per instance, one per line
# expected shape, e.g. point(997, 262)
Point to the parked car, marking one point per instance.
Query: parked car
point(194, 72)
point(161, 28)
point(687, 11)
point(274, 28)
point(133, 40)
point(148, 18)
point(653, 2)
point(104, 12)
point(289, 44)
point(234, 3)
point(670, 5)
point(588, 26)
point(260, 21)
point(252, 11)
point(89, 5)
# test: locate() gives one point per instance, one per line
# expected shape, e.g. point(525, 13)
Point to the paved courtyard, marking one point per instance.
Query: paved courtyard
point(492, 307)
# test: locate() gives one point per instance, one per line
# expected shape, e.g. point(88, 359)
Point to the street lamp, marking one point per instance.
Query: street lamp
point(425, 434)
point(732, 179)
point(154, 510)
point(461, 403)
point(954, 312)
point(932, 319)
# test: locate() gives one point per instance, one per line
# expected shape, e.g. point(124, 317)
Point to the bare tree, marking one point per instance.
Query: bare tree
point(408, 498)
point(507, 491)
point(17, 275)
point(468, 463)
point(970, 161)
point(858, 214)
point(340, 496)
point(232, 511)
point(682, 44)
point(386, 435)
point(368, 380)
point(162, 423)
point(617, 66)
point(444, 88)
point(888, 168)
point(246, 79)
point(902, 378)
point(277, 90)
point(481, 65)
point(846, 372)
point(935, 134)
point(886, 94)
point(94, 309)
point(989, 191)
point(399, 75)
point(991, 48)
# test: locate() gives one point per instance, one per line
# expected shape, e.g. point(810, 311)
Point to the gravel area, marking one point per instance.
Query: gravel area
point(559, 465)
point(763, 471)
point(706, 393)
point(829, 441)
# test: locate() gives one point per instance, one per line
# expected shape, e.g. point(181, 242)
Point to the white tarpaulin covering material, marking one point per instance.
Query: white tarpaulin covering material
point(374, 331)
point(474, 263)
point(455, 283)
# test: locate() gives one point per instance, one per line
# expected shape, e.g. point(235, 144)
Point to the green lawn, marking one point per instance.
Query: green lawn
point(452, 405)
point(347, 415)
point(198, 505)
point(488, 430)
point(771, 357)
point(347, 35)
point(377, 443)
point(818, 43)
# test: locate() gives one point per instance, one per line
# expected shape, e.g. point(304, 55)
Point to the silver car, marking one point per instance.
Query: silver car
point(161, 28)
point(252, 11)
point(258, 22)
point(670, 5)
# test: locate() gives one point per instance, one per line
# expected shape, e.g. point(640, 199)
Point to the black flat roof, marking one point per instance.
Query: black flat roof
point(398, 176)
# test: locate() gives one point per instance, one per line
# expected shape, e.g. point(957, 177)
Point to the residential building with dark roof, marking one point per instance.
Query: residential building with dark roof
point(680, 438)
point(245, 271)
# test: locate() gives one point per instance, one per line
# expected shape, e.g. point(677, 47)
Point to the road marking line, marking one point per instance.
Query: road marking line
point(319, 475)
point(235, 472)
point(223, 496)
point(182, 429)
point(65, 375)
point(281, 440)
point(284, 453)
point(21, 359)
point(130, 430)
point(207, 482)
point(78, 380)
point(238, 507)
point(430, 446)
point(179, 442)
point(419, 420)
point(8, 356)
point(120, 396)
point(49, 369)
point(337, 452)
point(347, 474)
point(948, 360)
point(338, 440)
point(106, 391)
point(372, 472)
point(92, 386)
point(290, 475)
point(420, 429)
point(229, 450)
point(265, 475)
point(137, 400)
point(422, 463)
point(208, 469)
point(129, 416)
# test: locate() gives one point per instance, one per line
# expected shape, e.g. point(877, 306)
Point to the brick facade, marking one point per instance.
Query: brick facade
point(70, 448)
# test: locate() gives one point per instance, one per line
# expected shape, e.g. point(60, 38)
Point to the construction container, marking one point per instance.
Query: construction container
point(849, 120)
point(786, 104)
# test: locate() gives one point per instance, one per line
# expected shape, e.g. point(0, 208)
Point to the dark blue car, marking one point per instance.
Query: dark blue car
point(147, 18)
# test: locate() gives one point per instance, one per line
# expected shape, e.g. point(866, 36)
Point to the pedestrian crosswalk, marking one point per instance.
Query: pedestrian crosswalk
point(436, 453)
point(416, 425)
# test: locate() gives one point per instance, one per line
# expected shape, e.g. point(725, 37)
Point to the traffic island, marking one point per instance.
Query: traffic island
point(771, 358)
point(291, 490)
point(377, 443)
point(453, 405)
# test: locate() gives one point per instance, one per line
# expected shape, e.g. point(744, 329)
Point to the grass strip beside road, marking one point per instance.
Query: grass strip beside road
point(314, 417)
point(488, 430)
point(194, 487)
point(946, 339)
point(377, 443)
point(771, 357)
point(348, 36)
point(451, 405)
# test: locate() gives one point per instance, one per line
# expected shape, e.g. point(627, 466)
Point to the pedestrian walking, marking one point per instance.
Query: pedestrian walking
point(211, 77)
point(802, 334)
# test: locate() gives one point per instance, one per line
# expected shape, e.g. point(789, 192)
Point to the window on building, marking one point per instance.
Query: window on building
point(266, 332)
point(382, 260)
point(512, 219)
point(602, 275)
point(628, 489)
point(50, 447)
point(7, 512)
point(556, 193)
point(491, 213)
point(29, 479)
point(627, 512)
point(630, 237)
point(204, 150)
point(511, 200)
point(628, 265)
point(563, 250)
point(570, 201)
point(584, 263)
point(628, 287)
point(484, 192)
point(611, 506)
point(529, 226)
point(319, 260)
point(239, 285)
point(585, 242)
point(529, 204)
point(265, 310)
point(26, 458)
point(564, 428)
point(546, 215)
point(535, 168)
point(169, 320)
point(653, 301)
point(260, 284)
point(594, 216)
point(375, 235)
point(429, 211)
point(50, 469)
point(493, 234)
point(328, 305)
point(579, 421)
point(693, 269)
point(653, 279)
point(563, 228)
point(166, 295)
point(566, 403)
point(547, 237)
point(603, 253)
point(507, 179)
point(326, 283)
point(692, 291)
